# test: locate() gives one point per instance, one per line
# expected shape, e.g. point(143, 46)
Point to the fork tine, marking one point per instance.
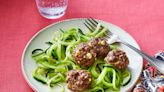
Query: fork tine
point(96, 22)
point(92, 24)
point(93, 20)
point(89, 24)
point(110, 33)
point(107, 35)
point(88, 27)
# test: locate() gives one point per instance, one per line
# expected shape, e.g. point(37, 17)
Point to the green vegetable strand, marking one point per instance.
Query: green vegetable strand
point(54, 62)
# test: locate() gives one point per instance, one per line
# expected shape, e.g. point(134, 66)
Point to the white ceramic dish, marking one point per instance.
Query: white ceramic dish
point(46, 34)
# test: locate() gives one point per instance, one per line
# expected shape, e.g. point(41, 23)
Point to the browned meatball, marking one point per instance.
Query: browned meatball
point(118, 59)
point(84, 55)
point(100, 46)
point(78, 80)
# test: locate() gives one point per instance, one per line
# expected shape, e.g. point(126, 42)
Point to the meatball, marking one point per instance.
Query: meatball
point(78, 80)
point(118, 59)
point(84, 55)
point(100, 46)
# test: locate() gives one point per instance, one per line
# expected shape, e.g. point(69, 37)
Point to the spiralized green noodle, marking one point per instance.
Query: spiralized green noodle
point(54, 62)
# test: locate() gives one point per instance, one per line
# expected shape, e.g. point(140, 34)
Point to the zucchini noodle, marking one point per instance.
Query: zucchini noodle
point(55, 61)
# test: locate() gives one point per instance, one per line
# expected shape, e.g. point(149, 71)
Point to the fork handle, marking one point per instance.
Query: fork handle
point(152, 60)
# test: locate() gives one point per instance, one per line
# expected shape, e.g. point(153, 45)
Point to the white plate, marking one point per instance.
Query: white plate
point(46, 34)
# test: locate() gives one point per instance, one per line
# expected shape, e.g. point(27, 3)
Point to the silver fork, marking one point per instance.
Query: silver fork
point(91, 24)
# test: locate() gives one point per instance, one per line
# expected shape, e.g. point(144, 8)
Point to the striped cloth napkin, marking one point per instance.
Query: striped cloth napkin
point(151, 80)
